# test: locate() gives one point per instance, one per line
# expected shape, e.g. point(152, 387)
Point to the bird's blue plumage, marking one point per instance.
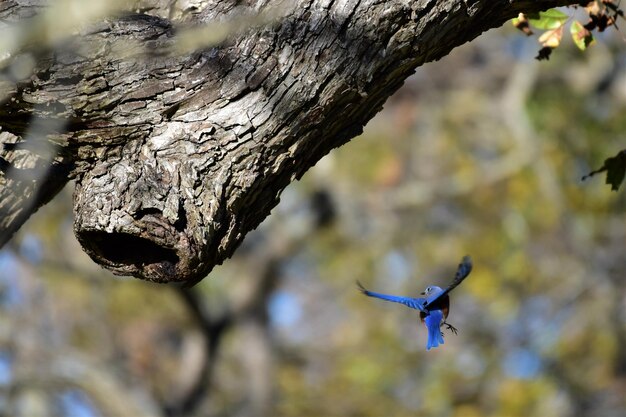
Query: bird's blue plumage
point(434, 294)
point(434, 308)
point(416, 303)
point(433, 324)
point(463, 270)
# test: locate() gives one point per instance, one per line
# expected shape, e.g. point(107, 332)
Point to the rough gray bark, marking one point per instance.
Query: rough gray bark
point(177, 157)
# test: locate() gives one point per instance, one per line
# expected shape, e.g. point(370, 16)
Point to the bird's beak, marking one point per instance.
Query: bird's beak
point(423, 293)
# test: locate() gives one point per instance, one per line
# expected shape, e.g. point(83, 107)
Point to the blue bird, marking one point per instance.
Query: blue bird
point(434, 308)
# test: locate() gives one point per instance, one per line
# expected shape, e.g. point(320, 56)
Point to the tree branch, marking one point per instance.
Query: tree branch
point(177, 157)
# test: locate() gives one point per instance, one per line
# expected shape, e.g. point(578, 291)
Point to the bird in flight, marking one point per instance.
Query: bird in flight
point(434, 307)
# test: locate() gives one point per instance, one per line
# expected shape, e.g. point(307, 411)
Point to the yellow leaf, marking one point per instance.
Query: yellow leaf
point(552, 38)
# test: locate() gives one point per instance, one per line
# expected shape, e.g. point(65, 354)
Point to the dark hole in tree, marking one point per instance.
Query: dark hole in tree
point(122, 248)
point(181, 223)
point(147, 211)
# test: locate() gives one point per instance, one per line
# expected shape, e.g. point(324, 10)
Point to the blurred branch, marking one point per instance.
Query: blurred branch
point(111, 397)
point(71, 370)
point(213, 330)
point(55, 22)
point(43, 362)
point(188, 40)
point(247, 312)
point(29, 179)
point(65, 19)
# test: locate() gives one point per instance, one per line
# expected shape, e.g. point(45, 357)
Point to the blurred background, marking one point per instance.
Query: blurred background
point(481, 153)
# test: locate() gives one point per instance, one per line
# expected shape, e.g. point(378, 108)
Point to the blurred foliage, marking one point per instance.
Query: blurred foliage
point(481, 154)
point(599, 14)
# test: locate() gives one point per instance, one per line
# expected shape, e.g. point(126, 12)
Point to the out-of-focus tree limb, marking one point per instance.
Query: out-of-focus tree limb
point(247, 312)
point(176, 157)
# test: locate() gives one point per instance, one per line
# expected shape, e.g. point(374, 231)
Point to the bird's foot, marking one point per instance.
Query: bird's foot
point(450, 327)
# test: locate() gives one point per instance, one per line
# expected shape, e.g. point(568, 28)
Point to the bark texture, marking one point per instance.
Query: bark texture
point(177, 156)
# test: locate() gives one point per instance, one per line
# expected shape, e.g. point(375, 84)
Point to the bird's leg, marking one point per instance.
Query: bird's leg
point(450, 327)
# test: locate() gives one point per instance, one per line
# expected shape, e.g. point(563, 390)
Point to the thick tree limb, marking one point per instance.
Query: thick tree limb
point(177, 157)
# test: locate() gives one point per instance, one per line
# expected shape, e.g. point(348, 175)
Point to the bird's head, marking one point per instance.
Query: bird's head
point(432, 290)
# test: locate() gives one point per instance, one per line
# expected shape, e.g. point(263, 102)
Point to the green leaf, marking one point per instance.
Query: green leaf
point(615, 168)
point(550, 19)
point(581, 36)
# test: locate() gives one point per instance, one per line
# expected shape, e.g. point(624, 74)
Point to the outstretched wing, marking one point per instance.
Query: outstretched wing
point(416, 303)
point(464, 269)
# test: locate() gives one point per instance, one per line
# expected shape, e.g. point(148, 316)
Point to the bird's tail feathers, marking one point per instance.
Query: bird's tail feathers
point(435, 337)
